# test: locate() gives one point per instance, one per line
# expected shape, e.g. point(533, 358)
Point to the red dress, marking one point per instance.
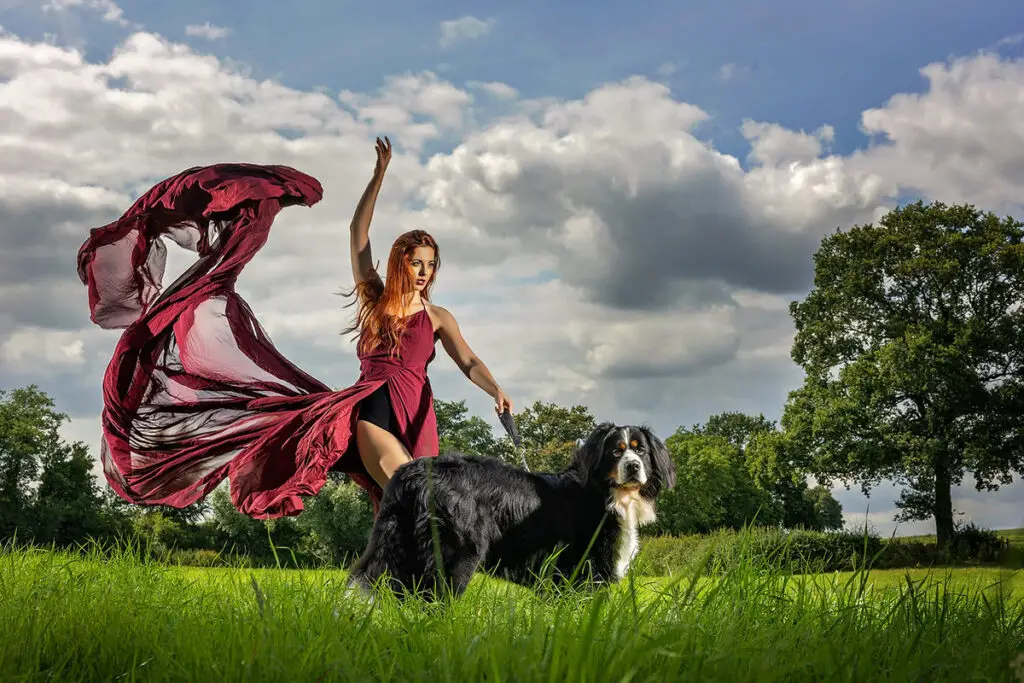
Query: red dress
point(196, 391)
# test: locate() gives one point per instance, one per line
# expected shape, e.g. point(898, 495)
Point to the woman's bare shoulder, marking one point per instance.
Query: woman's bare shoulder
point(440, 316)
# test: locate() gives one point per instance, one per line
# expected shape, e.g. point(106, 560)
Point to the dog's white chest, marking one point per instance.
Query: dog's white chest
point(630, 510)
point(629, 537)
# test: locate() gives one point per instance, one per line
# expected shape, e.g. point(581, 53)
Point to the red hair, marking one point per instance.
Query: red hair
point(380, 318)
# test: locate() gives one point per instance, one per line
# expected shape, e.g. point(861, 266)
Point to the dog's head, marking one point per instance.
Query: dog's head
point(629, 460)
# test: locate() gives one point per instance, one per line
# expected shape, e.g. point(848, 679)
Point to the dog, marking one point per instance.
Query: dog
point(460, 513)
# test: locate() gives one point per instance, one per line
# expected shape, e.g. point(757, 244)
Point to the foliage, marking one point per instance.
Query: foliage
point(461, 433)
point(728, 479)
point(67, 505)
point(912, 343)
point(265, 541)
point(777, 490)
point(29, 425)
point(804, 551)
point(549, 435)
point(713, 489)
point(336, 523)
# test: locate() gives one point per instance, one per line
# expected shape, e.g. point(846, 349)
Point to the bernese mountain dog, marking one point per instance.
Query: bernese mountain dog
point(442, 518)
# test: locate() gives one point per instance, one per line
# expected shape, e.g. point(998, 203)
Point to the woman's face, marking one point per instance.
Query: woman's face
point(422, 265)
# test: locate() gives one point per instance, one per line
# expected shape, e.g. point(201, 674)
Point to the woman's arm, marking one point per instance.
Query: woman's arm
point(467, 361)
point(359, 243)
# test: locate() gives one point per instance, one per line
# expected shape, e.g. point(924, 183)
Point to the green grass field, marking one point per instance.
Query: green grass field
point(69, 618)
point(1015, 536)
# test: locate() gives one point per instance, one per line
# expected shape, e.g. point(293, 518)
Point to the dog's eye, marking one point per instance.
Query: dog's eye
point(621, 446)
point(634, 443)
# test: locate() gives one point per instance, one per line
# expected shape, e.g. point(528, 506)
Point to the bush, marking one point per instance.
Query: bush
point(971, 543)
point(197, 558)
point(799, 551)
point(336, 523)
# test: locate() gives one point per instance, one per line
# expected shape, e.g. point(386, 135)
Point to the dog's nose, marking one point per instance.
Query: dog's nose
point(632, 468)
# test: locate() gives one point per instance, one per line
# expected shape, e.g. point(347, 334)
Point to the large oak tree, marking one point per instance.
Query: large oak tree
point(912, 341)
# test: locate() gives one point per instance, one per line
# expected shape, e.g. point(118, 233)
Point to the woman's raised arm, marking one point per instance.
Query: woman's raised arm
point(362, 259)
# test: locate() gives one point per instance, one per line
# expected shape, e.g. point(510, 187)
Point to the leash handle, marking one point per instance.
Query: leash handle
point(509, 424)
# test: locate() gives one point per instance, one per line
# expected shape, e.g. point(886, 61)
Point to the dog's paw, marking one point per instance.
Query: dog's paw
point(356, 589)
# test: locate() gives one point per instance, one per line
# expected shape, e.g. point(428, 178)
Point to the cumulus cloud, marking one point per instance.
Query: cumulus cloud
point(595, 250)
point(640, 213)
point(462, 29)
point(961, 139)
point(207, 30)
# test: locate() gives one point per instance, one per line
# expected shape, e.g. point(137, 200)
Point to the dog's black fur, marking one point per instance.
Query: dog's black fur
point(478, 512)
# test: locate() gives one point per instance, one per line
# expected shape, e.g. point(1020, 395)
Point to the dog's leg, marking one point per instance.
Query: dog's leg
point(461, 568)
point(450, 553)
point(385, 551)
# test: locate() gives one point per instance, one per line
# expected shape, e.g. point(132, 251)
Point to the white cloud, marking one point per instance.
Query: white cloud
point(961, 140)
point(588, 245)
point(731, 71)
point(1014, 39)
point(465, 28)
point(667, 69)
point(502, 91)
point(402, 99)
point(109, 10)
point(207, 30)
point(30, 348)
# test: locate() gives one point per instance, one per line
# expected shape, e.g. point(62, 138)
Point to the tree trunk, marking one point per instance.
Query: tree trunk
point(943, 502)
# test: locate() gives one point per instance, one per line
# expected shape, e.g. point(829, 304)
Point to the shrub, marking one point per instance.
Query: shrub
point(799, 551)
point(336, 523)
point(971, 543)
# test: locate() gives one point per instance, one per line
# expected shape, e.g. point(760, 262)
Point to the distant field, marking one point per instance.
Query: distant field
point(72, 619)
point(1016, 537)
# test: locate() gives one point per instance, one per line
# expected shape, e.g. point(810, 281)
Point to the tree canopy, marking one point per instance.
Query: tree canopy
point(912, 343)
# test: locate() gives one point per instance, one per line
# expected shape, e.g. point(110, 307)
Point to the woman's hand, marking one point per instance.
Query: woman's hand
point(502, 402)
point(383, 157)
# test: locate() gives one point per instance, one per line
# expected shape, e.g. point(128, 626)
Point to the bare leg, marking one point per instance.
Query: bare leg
point(380, 451)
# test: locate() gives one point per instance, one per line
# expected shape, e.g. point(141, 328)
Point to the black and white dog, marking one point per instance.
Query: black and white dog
point(460, 513)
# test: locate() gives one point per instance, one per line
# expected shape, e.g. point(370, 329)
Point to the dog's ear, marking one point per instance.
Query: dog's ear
point(661, 459)
point(588, 455)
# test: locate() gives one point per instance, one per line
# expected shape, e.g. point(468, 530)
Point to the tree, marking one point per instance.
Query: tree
point(67, 506)
point(736, 427)
point(29, 431)
point(336, 523)
point(713, 488)
point(912, 343)
point(826, 512)
point(457, 432)
point(755, 437)
point(549, 433)
point(249, 535)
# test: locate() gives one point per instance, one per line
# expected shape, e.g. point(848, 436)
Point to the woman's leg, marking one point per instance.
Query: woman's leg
point(379, 448)
point(380, 451)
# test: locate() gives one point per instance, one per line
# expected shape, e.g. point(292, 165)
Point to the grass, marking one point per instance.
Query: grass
point(119, 618)
point(1015, 536)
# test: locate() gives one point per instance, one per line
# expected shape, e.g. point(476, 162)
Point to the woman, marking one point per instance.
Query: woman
point(397, 327)
point(196, 392)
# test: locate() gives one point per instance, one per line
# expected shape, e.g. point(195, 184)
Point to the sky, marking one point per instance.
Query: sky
point(626, 200)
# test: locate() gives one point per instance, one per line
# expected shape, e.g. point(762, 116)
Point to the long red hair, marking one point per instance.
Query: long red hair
point(380, 318)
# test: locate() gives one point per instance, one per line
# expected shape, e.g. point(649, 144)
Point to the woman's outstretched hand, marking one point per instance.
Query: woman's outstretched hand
point(502, 402)
point(383, 156)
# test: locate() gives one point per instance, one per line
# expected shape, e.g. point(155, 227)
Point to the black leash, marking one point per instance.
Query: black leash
point(510, 426)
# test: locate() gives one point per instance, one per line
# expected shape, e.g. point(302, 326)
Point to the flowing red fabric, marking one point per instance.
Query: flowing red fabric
point(195, 391)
